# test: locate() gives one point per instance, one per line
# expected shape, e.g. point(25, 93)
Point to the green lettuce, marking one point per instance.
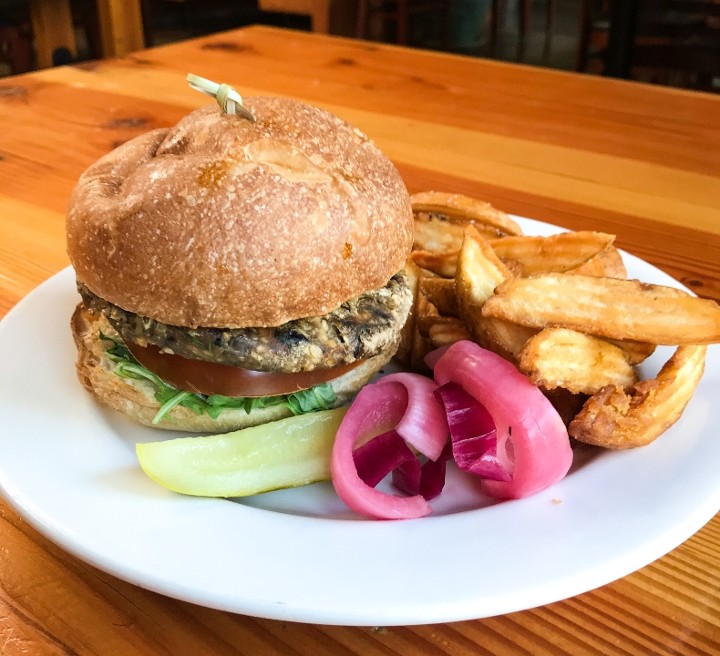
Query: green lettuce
point(320, 397)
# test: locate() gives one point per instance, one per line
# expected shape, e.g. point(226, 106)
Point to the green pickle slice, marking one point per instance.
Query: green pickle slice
point(286, 453)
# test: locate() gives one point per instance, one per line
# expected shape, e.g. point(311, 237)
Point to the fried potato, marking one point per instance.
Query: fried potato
point(562, 310)
point(616, 419)
point(479, 272)
point(608, 307)
point(441, 293)
point(433, 322)
point(554, 254)
point(446, 331)
point(421, 344)
point(407, 335)
point(436, 235)
point(607, 263)
point(505, 337)
point(514, 267)
point(579, 363)
point(441, 264)
point(635, 352)
point(565, 403)
point(429, 317)
point(457, 208)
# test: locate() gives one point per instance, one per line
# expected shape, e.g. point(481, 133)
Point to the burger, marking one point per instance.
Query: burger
point(236, 272)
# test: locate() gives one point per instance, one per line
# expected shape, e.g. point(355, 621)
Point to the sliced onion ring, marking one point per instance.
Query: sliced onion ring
point(427, 479)
point(472, 434)
point(376, 408)
point(530, 433)
point(424, 425)
point(381, 455)
point(388, 453)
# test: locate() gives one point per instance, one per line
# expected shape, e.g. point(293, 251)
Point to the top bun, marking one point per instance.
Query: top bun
point(221, 222)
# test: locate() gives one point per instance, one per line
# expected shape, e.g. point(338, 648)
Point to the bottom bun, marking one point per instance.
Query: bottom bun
point(136, 398)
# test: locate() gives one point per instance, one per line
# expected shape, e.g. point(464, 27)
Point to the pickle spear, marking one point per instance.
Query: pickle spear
point(286, 453)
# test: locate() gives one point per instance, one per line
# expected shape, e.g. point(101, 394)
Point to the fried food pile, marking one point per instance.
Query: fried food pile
point(562, 310)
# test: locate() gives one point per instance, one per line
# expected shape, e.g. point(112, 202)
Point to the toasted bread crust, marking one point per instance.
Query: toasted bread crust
point(220, 222)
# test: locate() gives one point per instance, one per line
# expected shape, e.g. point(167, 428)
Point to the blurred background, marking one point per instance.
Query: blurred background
point(670, 42)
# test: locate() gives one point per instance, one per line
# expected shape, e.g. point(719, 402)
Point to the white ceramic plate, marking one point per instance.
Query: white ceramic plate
point(68, 466)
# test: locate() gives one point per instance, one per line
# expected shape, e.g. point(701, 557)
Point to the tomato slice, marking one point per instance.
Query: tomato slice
point(199, 376)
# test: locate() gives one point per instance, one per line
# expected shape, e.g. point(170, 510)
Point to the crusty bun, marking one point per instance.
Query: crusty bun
point(135, 398)
point(222, 222)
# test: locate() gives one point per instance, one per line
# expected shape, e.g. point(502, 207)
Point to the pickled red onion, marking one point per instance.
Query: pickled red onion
point(381, 455)
point(432, 357)
point(531, 437)
point(389, 453)
point(427, 479)
point(377, 408)
point(424, 424)
point(472, 434)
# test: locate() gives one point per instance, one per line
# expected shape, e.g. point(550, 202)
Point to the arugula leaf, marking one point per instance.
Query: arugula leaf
point(320, 397)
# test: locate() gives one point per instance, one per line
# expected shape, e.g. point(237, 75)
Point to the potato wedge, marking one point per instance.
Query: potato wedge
point(441, 293)
point(421, 344)
point(407, 334)
point(554, 254)
point(579, 363)
point(608, 263)
point(441, 264)
point(457, 208)
point(447, 330)
point(635, 352)
point(437, 235)
point(479, 272)
point(565, 403)
point(608, 307)
point(562, 309)
point(505, 337)
point(427, 316)
point(616, 419)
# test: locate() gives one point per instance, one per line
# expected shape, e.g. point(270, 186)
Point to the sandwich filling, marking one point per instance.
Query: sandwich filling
point(358, 329)
point(191, 366)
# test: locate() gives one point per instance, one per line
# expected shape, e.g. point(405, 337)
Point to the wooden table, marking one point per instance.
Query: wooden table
point(578, 151)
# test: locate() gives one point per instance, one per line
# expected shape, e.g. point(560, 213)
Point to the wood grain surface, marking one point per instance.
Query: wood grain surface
point(581, 152)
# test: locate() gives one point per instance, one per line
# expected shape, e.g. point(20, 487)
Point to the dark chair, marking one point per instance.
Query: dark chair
point(16, 48)
point(677, 42)
point(398, 12)
point(523, 22)
point(16, 39)
point(317, 10)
